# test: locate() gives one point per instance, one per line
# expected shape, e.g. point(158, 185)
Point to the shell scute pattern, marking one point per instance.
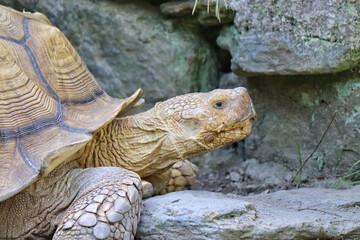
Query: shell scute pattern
point(47, 96)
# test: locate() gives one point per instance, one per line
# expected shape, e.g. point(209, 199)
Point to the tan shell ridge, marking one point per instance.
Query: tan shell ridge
point(50, 103)
point(23, 155)
point(58, 117)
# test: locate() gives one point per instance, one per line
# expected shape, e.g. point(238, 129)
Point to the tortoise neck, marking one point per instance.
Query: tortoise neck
point(139, 143)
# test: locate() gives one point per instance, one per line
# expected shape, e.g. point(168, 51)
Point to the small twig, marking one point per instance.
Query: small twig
point(195, 4)
point(317, 146)
point(317, 210)
point(217, 10)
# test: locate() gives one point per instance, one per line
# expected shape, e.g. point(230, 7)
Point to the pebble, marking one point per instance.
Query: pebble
point(234, 176)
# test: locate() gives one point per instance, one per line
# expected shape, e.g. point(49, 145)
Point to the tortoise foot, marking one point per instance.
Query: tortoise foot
point(182, 176)
point(111, 211)
point(148, 189)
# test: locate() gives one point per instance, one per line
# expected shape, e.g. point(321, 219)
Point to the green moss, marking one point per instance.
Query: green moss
point(351, 9)
point(354, 116)
point(349, 89)
point(320, 45)
point(306, 100)
point(169, 212)
point(196, 66)
point(229, 215)
point(250, 208)
point(341, 62)
point(26, 12)
point(350, 59)
point(227, 39)
point(346, 89)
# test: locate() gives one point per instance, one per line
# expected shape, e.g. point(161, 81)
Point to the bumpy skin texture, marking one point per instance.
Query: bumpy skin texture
point(93, 203)
point(182, 176)
point(110, 210)
point(179, 177)
point(181, 127)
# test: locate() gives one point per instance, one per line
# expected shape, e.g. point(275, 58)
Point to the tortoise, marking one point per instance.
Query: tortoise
point(75, 162)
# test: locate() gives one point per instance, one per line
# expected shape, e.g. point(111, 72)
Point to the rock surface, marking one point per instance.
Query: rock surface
point(296, 214)
point(292, 115)
point(128, 45)
point(293, 37)
point(226, 170)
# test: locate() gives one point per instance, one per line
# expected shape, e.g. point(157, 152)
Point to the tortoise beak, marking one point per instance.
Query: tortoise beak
point(246, 103)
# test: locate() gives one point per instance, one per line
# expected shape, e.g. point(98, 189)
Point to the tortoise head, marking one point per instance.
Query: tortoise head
point(201, 122)
point(176, 129)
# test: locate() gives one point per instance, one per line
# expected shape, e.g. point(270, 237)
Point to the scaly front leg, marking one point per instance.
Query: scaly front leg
point(108, 209)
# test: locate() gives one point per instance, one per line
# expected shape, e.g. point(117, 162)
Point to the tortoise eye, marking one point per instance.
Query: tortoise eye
point(219, 105)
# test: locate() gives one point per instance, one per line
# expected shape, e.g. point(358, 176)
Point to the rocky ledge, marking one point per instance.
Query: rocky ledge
point(306, 213)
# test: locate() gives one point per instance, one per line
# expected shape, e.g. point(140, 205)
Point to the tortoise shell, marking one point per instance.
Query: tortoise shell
point(50, 103)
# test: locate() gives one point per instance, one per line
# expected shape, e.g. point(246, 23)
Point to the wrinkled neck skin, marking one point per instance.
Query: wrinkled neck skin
point(178, 128)
point(140, 143)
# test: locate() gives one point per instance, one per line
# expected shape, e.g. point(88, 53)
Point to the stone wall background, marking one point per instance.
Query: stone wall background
point(298, 59)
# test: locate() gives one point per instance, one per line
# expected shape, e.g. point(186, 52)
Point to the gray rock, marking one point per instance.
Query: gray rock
point(234, 176)
point(128, 45)
point(296, 214)
point(270, 173)
point(292, 37)
point(292, 115)
point(189, 208)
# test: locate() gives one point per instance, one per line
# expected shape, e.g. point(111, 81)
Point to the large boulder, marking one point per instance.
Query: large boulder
point(297, 214)
point(293, 114)
point(293, 37)
point(128, 45)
